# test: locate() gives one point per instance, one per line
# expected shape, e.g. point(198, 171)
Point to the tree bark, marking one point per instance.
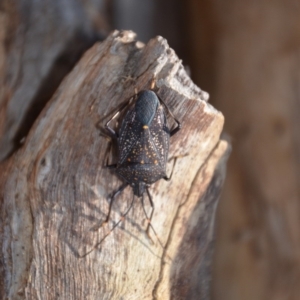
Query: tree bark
point(55, 191)
point(40, 42)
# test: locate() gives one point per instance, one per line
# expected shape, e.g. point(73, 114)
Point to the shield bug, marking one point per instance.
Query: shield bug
point(143, 146)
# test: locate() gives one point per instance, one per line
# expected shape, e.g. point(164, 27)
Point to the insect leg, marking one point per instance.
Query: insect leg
point(114, 134)
point(178, 127)
point(106, 158)
point(121, 219)
point(111, 166)
point(111, 131)
point(151, 214)
point(121, 189)
point(149, 219)
point(169, 178)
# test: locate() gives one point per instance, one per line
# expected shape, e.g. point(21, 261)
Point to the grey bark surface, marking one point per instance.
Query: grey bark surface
point(55, 191)
point(40, 42)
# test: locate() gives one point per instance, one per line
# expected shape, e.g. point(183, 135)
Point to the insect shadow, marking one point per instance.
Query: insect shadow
point(142, 150)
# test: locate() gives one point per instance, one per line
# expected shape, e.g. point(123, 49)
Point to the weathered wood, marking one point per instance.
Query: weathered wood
point(54, 190)
point(40, 42)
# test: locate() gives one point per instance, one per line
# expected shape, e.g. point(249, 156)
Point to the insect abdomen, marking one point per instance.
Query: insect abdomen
point(134, 173)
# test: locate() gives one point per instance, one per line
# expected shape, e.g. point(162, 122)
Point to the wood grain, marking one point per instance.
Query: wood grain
point(40, 42)
point(54, 190)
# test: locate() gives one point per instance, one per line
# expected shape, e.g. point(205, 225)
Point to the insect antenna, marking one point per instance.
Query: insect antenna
point(105, 236)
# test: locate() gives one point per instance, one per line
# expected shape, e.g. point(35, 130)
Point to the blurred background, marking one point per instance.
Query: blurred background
point(246, 55)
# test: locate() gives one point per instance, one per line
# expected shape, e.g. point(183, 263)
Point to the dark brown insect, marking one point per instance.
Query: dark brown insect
point(143, 146)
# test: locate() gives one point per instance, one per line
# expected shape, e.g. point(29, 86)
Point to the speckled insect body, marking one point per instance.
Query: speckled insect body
point(143, 143)
point(143, 146)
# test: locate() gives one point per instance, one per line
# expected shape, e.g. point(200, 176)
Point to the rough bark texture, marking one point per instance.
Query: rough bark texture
point(258, 244)
point(40, 42)
point(54, 190)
